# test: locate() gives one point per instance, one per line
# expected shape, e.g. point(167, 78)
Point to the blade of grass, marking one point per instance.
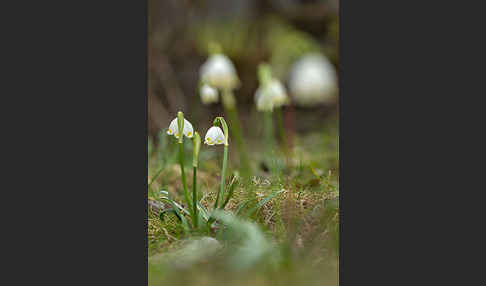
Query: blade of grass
point(264, 201)
point(202, 225)
point(231, 190)
point(155, 176)
point(177, 206)
point(203, 211)
point(185, 225)
point(162, 213)
point(242, 205)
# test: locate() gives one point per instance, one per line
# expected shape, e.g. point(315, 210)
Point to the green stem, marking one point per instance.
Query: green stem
point(223, 174)
point(194, 197)
point(281, 128)
point(229, 104)
point(183, 174)
point(268, 131)
point(238, 135)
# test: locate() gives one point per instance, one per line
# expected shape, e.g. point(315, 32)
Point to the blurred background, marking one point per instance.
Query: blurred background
point(278, 32)
point(294, 238)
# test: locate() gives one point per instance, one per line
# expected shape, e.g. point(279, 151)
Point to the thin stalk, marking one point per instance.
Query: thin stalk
point(195, 157)
point(268, 131)
point(183, 174)
point(232, 112)
point(223, 174)
point(281, 129)
point(269, 140)
point(194, 197)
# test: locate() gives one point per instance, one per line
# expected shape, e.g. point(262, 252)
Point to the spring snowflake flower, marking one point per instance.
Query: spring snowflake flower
point(219, 72)
point(214, 136)
point(174, 129)
point(313, 80)
point(208, 94)
point(263, 101)
point(271, 95)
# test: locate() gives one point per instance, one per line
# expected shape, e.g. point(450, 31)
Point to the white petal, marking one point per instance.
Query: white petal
point(263, 100)
point(220, 139)
point(188, 130)
point(173, 128)
point(214, 136)
point(278, 93)
point(208, 90)
point(209, 94)
point(209, 142)
point(258, 93)
point(271, 95)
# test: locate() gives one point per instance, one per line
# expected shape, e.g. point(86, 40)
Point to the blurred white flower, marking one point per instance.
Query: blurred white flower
point(174, 129)
point(208, 94)
point(214, 136)
point(263, 101)
point(219, 72)
point(313, 80)
point(271, 95)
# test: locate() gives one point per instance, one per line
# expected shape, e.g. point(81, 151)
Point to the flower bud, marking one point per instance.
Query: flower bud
point(196, 147)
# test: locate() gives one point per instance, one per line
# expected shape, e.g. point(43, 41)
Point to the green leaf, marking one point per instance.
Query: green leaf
point(162, 213)
point(178, 206)
point(203, 211)
point(175, 207)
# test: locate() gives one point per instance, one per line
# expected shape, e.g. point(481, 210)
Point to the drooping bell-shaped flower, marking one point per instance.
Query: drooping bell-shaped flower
point(219, 72)
point(214, 136)
point(278, 92)
point(174, 129)
point(270, 95)
point(208, 94)
point(263, 101)
point(313, 80)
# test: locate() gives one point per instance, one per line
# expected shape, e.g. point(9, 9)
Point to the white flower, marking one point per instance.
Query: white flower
point(214, 136)
point(208, 94)
point(278, 93)
point(263, 101)
point(313, 80)
point(174, 129)
point(219, 72)
point(271, 95)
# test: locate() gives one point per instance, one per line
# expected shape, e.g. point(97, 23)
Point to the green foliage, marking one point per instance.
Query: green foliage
point(247, 243)
point(281, 227)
